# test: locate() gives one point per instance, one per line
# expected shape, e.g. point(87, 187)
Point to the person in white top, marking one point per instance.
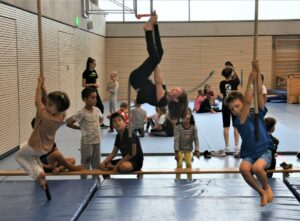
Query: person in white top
point(112, 88)
point(89, 119)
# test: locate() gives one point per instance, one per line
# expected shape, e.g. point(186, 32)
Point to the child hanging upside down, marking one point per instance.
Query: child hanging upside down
point(256, 154)
point(156, 93)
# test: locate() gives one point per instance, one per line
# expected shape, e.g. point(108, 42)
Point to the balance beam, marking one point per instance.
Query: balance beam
point(147, 172)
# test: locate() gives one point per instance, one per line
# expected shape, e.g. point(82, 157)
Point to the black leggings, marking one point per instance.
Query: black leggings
point(139, 77)
point(99, 103)
point(205, 106)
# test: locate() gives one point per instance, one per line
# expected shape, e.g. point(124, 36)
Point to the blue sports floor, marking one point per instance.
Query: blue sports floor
point(210, 131)
point(208, 197)
point(147, 199)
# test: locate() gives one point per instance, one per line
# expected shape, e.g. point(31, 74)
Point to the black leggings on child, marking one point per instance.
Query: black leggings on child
point(205, 106)
point(139, 78)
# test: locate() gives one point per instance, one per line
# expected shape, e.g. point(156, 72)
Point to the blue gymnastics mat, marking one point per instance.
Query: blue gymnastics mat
point(207, 199)
point(293, 184)
point(25, 200)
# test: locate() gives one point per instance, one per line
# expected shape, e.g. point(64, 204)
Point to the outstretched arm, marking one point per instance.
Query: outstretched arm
point(247, 99)
point(257, 77)
point(71, 123)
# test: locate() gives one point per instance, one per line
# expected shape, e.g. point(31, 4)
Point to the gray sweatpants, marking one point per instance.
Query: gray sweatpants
point(90, 156)
point(112, 103)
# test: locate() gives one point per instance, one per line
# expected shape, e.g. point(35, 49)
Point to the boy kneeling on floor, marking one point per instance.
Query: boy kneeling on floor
point(132, 154)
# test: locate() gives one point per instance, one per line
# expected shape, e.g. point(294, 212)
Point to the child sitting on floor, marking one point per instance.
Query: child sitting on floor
point(165, 127)
point(209, 94)
point(202, 103)
point(153, 120)
point(270, 125)
point(132, 154)
point(185, 137)
point(256, 154)
point(139, 118)
point(123, 111)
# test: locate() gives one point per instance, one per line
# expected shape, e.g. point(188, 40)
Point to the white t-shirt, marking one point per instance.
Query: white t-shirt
point(89, 125)
point(264, 92)
point(162, 119)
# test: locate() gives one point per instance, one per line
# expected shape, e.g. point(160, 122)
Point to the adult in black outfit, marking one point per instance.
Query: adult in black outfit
point(89, 79)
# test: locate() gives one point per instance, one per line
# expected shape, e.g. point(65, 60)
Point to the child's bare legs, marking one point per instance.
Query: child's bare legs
point(57, 156)
point(246, 171)
point(258, 168)
point(125, 167)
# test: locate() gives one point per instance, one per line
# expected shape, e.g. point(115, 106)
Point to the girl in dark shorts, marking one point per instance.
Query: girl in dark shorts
point(156, 93)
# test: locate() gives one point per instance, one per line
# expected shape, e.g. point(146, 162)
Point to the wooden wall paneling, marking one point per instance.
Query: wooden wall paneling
point(293, 88)
point(81, 55)
point(97, 47)
point(118, 58)
point(287, 57)
point(51, 55)
point(67, 68)
point(25, 65)
point(9, 112)
point(28, 69)
point(88, 45)
point(7, 11)
point(188, 60)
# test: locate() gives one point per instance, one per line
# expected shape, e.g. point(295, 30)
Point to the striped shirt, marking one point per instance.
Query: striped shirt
point(186, 138)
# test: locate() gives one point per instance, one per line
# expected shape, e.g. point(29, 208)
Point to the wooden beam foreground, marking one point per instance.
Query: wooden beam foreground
point(149, 172)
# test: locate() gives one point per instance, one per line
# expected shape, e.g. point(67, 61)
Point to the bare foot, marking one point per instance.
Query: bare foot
point(148, 26)
point(55, 170)
point(153, 18)
point(269, 194)
point(263, 199)
point(42, 180)
point(77, 167)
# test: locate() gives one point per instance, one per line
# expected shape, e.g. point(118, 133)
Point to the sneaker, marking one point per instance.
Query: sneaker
point(207, 154)
point(286, 166)
point(219, 153)
point(237, 154)
point(226, 150)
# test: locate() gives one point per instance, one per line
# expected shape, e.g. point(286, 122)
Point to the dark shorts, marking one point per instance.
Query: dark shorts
point(136, 164)
point(44, 159)
point(226, 115)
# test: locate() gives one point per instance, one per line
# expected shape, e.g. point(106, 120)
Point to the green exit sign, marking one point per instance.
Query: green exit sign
point(77, 21)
